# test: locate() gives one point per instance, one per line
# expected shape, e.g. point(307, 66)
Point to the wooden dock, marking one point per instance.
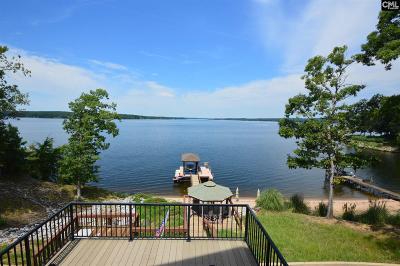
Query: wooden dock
point(194, 179)
point(370, 188)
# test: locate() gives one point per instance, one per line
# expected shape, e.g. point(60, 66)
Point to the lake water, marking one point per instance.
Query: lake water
point(248, 155)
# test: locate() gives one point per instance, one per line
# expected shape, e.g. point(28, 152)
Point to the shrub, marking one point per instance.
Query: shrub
point(298, 204)
point(394, 219)
point(155, 200)
point(271, 200)
point(349, 212)
point(321, 209)
point(376, 214)
point(139, 196)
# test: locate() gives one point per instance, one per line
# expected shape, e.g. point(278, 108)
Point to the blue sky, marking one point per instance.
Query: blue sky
point(184, 58)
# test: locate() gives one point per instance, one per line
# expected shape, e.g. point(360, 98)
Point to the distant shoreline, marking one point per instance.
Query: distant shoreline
point(65, 114)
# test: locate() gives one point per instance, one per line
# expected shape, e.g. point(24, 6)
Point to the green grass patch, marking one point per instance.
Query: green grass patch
point(304, 238)
point(376, 139)
point(154, 215)
point(374, 142)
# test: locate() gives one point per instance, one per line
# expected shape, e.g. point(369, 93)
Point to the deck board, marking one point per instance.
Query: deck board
point(158, 252)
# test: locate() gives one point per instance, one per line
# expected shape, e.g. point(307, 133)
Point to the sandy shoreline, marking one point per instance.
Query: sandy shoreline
point(361, 204)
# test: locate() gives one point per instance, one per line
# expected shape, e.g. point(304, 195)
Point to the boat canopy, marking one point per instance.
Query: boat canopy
point(209, 191)
point(190, 157)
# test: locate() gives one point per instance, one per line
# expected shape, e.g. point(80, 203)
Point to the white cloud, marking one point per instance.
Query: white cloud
point(314, 29)
point(376, 79)
point(53, 84)
point(109, 65)
point(160, 90)
point(262, 98)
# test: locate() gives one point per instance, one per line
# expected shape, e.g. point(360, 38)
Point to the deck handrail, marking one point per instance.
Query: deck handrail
point(138, 221)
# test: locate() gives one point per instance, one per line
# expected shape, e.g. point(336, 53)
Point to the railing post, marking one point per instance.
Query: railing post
point(268, 252)
point(130, 223)
point(246, 226)
point(71, 215)
point(188, 223)
point(27, 252)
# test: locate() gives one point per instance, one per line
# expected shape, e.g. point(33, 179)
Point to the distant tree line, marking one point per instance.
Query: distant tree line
point(378, 115)
point(65, 114)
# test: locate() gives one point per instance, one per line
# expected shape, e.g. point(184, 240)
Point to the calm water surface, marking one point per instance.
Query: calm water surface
point(248, 155)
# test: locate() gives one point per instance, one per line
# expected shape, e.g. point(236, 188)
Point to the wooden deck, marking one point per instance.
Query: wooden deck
point(155, 252)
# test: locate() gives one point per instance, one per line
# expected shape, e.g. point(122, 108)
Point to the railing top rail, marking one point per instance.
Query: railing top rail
point(159, 204)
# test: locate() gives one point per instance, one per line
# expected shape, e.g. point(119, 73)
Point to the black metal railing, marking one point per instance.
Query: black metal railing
point(39, 245)
point(260, 243)
point(139, 221)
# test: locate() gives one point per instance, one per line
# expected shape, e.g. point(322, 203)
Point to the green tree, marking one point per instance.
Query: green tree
point(91, 119)
point(11, 145)
point(389, 116)
point(383, 44)
point(10, 95)
point(317, 119)
point(358, 116)
point(43, 160)
point(357, 160)
point(12, 152)
point(364, 117)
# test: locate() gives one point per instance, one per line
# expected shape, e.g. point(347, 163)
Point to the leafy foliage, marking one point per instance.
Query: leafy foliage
point(10, 95)
point(12, 152)
point(91, 120)
point(394, 219)
point(389, 115)
point(43, 160)
point(298, 204)
point(357, 160)
point(11, 145)
point(271, 200)
point(363, 116)
point(383, 44)
point(379, 115)
point(317, 119)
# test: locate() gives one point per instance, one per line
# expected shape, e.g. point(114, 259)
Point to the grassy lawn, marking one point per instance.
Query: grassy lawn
point(306, 238)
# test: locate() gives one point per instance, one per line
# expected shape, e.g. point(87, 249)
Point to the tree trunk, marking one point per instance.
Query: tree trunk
point(78, 190)
point(329, 214)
